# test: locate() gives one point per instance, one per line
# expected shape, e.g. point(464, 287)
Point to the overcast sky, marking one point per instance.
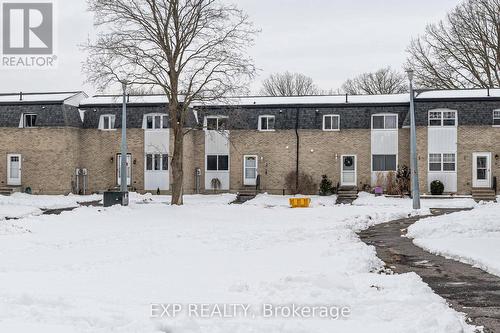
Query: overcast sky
point(328, 40)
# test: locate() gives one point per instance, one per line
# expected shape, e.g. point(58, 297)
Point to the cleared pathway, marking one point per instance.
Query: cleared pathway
point(467, 289)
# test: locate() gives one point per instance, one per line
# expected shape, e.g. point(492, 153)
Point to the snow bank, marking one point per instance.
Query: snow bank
point(268, 200)
point(472, 237)
point(47, 201)
point(99, 269)
point(367, 199)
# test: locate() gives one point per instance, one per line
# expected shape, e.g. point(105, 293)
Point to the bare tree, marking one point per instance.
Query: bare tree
point(289, 84)
point(461, 52)
point(383, 81)
point(193, 50)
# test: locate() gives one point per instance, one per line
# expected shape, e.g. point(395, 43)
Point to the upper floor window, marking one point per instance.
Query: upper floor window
point(385, 121)
point(29, 120)
point(216, 123)
point(496, 118)
point(443, 118)
point(107, 122)
point(331, 122)
point(266, 123)
point(156, 121)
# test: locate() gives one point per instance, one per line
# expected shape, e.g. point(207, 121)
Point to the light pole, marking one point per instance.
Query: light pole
point(123, 165)
point(413, 146)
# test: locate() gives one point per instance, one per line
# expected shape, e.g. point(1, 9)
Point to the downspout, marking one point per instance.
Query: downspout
point(297, 112)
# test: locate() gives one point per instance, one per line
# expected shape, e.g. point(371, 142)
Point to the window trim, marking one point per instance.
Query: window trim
point(205, 124)
point(259, 125)
point(153, 115)
point(442, 162)
point(101, 122)
point(218, 156)
point(332, 129)
point(497, 117)
point(24, 119)
point(153, 162)
point(397, 159)
point(442, 112)
point(385, 115)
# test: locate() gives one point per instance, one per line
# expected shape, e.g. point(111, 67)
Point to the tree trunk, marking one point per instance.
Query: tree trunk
point(177, 158)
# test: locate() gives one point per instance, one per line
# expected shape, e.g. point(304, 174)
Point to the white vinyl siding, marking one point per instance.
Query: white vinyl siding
point(331, 122)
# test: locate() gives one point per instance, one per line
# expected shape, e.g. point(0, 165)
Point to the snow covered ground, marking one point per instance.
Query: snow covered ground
point(21, 205)
point(472, 237)
point(101, 269)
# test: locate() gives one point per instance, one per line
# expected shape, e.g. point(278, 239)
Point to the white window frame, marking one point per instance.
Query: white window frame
point(205, 125)
point(267, 117)
point(395, 155)
point(442, 162)
point(385, 115)
point(331, 116)
point(163, 119)
point(112, 120)
point(442, 119)
point(153, 155)
point(218, 170)
point(24, 119)
point(496, 116)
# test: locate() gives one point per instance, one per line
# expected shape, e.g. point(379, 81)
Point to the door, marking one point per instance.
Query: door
point(250, 170)
point(118, 169)
point(349, 175)
point(14, 169)
point(481, 168)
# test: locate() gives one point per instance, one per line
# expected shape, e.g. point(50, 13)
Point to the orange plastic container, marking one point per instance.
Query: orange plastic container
point(300, 202)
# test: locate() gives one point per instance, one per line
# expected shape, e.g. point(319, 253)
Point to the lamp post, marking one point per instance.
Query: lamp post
point(413, 146)
point(123, 165)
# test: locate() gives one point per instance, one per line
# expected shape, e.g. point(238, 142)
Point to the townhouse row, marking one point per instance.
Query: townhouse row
point(58, 143)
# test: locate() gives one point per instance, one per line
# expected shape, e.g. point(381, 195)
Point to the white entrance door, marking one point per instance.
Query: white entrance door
point(250, 167)
point(349, 169)
point(481, 168)
point(14, 169)
point(118, 169)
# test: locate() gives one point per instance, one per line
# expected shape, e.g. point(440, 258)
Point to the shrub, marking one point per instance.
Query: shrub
point(437, 187)
point(325, 187)
point(391, 183)
point(403, 180)
point(306, 183)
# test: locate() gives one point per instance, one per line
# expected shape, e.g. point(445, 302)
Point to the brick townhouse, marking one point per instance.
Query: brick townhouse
point(66, 142)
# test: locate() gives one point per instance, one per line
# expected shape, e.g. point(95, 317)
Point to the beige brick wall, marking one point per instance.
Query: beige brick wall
point(476, 139)
point(49, 157)
point(98, 150)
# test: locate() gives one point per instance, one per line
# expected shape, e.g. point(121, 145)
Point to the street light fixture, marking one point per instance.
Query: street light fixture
point(413, 145)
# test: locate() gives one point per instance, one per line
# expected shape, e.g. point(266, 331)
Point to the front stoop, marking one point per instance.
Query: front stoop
point(484, 194)
point(8, 190)
point(247, 193)
point(347, 194)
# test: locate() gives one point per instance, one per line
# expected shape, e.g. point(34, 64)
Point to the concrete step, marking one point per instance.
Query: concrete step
point(484, 194)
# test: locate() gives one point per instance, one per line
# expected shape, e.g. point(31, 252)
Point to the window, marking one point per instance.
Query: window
point(442, 162)
point(388, 121)
point(442, 118)
point(496, 118)
point(384, 163)
point(157, 162)
point(331, 122)
point(217, 163)
point(216, 123)
point(157, 121)
point(107, 122)
point(29, 120)
point(266, 123)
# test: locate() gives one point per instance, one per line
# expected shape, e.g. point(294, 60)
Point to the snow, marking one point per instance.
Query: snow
point(40, 97)
point(472, 237)
point(98, 269)
point(459, 93)
point(366, 199)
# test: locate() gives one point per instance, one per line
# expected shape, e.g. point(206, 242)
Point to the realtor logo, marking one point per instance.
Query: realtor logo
point(28, 34)
point(28, 28)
